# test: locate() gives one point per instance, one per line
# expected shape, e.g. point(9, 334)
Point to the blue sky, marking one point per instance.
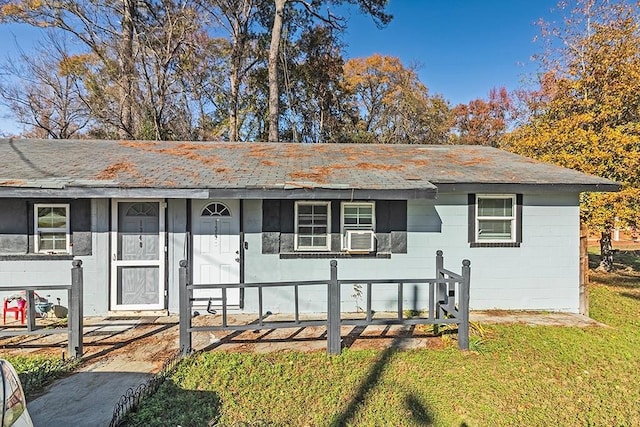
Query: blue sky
point(463, 48)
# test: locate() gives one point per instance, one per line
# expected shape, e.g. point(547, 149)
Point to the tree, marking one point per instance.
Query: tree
point(129, 59)
point(43, 94)
point(586, 114)
point(391, 105)
point(312, 70)
point(483, 122)
point(312, 10)
point(238, 18)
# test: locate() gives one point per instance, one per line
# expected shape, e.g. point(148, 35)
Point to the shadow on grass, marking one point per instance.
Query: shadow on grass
point(172, 406)
point(366, 386)
point(630, 295)
point(619, 279)
point(420, 413)
point(622, 259)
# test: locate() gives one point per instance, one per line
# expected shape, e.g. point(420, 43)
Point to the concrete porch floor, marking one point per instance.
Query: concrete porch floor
point(106, 337)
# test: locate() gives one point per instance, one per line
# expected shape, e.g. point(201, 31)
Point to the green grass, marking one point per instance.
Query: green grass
point(37, 371)
point(533, 376)
point(524, 376)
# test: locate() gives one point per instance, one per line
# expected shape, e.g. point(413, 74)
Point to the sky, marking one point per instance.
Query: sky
point(462, 48)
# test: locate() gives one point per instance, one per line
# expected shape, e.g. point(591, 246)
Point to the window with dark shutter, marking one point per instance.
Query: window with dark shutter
point(495, 220)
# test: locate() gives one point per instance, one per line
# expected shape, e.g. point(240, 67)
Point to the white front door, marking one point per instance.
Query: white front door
point(137, 255)
point(216, 249)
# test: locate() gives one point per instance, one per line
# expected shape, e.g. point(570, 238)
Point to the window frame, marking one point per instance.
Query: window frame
point(297, 246)
point(473, 223)
point(512, 218)
point(38, 231)
point(344, 228)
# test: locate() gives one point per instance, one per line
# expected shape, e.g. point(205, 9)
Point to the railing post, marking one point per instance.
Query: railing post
point(31, 311)
point(184, 296)
point(333, 311)
point(76, 310)
point(441, 288)
point(463, 306)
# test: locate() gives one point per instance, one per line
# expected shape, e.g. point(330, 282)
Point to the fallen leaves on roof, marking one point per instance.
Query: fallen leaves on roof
point(13, 183)
point(378, 166)
point(112, 171)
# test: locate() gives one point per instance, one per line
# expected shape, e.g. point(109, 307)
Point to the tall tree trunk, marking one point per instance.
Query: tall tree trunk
point(238, 45)
point(233, 106)
point(274, 94)
point(127, 70)
point(606, 251)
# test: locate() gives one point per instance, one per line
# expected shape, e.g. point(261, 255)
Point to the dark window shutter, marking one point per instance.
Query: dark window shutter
point(391, 226)
point(336, 210)
point(14, 226)
point(391, 215)
point(287, 212)
point(471, 216)
point(80, 213)
point(518, 218)
point(271, 215)
point(270, 226)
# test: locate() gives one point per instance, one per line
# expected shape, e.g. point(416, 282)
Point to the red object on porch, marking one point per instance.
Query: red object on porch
point(20, 309)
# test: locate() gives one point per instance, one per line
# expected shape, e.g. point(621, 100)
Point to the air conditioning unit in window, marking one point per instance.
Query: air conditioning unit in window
point(359, 240)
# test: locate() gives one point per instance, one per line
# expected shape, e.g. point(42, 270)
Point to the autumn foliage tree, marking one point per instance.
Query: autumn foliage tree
point(391, 105)
point(313, 11)
point(483, 122)
point(586, 113)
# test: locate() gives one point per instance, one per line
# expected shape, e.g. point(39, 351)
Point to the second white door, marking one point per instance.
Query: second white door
point(216, 249)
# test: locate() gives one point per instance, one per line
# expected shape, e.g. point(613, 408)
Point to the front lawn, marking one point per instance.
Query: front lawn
point(533, 376)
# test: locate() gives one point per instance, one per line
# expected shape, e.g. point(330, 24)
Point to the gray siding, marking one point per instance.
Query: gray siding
point(91, 245)
point(542, 274)
point(16, 225)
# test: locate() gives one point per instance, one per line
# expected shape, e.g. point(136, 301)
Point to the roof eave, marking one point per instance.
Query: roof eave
point(532, 188)
point(70, 192)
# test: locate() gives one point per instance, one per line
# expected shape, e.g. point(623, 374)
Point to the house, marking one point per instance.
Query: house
point(255, 212)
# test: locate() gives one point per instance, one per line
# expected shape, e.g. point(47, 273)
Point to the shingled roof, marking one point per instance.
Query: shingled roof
point(98, 168)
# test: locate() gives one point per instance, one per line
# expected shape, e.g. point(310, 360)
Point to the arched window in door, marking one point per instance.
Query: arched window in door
point(216, 209)
point(142, 209)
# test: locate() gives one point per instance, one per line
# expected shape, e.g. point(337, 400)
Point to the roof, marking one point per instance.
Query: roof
point(99, 168)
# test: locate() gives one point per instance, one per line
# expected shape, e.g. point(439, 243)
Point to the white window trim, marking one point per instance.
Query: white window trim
point(37, 230)
point(344, 228)
point(501, 218)
point(297, 247)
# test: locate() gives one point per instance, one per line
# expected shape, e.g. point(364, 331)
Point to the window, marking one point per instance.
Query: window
point(357, 216)
point(313, 226)
point(52, 228)
point(357, 222)
point(216, 209)
point(495, 220)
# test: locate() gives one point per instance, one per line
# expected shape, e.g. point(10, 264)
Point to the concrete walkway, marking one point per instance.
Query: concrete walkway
point(86, 398)
point(124, 353)
point(532, 318)
point(119, 354)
